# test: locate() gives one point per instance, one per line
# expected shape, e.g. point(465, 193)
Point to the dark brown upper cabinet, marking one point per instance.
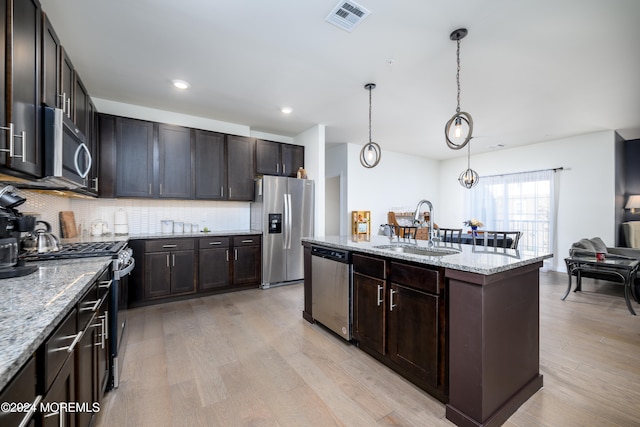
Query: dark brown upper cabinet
point(210, 165)
point(20, 148)
point(240, 167)
point(174, 162)
point(276, 158)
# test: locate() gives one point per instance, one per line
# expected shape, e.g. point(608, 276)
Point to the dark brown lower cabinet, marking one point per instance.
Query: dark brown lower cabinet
point(62, 390)
point(369, 302)
point(86, 372)
point(21, 389)
point(247, 260)
point(213, 263)
point(179, 267)
point(399, 318)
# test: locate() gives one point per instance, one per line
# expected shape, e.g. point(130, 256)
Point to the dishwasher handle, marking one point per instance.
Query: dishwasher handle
point(331, 254)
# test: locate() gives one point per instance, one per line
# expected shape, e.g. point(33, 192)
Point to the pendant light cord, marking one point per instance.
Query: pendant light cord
point(458, 74)
point(370, 114)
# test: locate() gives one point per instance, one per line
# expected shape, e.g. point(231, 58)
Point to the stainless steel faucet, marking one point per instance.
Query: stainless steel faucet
point(416, 220)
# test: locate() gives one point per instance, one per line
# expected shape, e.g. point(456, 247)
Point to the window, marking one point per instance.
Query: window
point(522, 202)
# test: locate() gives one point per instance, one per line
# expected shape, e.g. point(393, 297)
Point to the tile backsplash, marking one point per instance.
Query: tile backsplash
point(144, 215)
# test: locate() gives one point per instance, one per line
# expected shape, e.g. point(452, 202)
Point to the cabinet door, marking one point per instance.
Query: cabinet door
point(268, 158)
point(21, 389)
point(157, 269)
point(51, 49)
point(247, 267)
point(80, 99)
point(368, 312)
point(62, 390)
point(94, 148)
point(102, 347)
point(4, 119)
point(292, 159)
point(134, 153)
point(67, 83)
point(213, 268)
point(85, 375)
point(210, 165)
point(183, 275)
point(413, 332)
point(240, 167)
point(24, 86)
point(174, 169)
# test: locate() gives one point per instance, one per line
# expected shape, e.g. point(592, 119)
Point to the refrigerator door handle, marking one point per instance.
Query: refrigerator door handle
point(289, 223)
point(285, 225)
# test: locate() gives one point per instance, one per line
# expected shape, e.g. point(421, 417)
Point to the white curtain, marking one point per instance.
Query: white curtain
point(525, 202)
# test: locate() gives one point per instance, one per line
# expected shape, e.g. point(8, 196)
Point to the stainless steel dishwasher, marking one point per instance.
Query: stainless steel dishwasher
point(331, 289)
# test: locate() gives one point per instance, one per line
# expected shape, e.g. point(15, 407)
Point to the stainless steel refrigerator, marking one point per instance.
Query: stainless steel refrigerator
point(283, 212)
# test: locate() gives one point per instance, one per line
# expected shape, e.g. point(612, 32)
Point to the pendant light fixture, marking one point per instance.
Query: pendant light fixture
point(370, 153)
point(454, 129)
point(469, 177)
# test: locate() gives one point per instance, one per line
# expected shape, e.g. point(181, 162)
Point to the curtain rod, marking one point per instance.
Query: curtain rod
point(519, 173)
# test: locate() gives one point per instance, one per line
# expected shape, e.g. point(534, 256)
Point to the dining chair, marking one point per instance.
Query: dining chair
point(454, 235)
point(503, 239)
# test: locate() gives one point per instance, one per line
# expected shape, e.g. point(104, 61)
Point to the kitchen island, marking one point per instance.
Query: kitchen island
point(464, 326)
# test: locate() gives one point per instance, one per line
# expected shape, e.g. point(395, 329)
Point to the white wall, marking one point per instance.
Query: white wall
point(586, 185)
point(336, 165)
point(314, 160)
point(399, 180)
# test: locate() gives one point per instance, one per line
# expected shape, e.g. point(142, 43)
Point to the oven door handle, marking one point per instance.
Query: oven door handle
point(117, 274)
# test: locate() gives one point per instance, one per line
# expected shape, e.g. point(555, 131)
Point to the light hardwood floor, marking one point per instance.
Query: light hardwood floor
point(249, 359)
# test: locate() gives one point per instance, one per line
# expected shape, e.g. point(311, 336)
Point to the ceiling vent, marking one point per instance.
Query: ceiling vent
point(347, 15)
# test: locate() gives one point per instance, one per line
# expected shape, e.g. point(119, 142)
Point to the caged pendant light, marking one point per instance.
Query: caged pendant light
point(453, 130)
point(469, 177)
point(370, 154)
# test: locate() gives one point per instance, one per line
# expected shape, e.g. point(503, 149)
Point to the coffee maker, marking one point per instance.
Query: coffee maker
point(12, 224)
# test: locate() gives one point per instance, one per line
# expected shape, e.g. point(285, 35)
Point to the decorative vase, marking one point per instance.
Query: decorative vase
point(474, 230)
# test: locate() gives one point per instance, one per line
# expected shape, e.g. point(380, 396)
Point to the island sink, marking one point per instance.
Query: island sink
point(417, 250)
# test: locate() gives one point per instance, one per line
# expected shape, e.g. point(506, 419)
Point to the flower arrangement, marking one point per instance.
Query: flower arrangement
point(473, 223)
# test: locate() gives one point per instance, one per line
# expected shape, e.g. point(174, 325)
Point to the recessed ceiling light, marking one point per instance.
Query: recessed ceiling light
point(286, 110)
point(181, 84)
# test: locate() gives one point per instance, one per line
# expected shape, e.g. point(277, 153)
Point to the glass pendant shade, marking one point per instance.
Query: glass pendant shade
point(468, 178)
point(370, 154)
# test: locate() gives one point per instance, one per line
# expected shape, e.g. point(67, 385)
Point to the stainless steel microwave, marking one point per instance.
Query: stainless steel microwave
point(67, 156)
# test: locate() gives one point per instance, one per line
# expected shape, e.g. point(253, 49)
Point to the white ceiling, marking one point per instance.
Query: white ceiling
point(532, 70)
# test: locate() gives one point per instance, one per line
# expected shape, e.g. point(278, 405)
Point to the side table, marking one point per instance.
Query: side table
point(621, 268)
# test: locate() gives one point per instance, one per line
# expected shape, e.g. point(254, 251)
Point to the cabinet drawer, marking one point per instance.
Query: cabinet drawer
point(88, 306)
point(213, 242)
point(58, 347)
point(163, 245)
point(424, 279)
point(369, 266)
point(246, 240)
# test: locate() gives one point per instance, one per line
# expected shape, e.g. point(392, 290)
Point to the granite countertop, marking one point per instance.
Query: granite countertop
point(478, 259)
point(33, 305)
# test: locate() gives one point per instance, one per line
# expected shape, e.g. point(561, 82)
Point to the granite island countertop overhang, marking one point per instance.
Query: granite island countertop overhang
point(32, 306)
point(473, 259)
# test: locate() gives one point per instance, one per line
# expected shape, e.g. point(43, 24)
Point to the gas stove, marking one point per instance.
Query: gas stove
point(81, 250)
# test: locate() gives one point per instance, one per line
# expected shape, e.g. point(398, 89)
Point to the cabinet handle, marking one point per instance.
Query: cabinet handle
point(169, 246)
point(64, 101)
point(168, 261)
point(76, 339)
point(161, 189)
point(149, 189)
point(227, 255)
point(23, 136)
point(105, 284)
point(95, 187)
point(277, 168)
point(248, 241)
point(33, 408)
point(69, 107)
point(95, 303)
point(379, 295)
point(221, 191)
point(284, 169)
point(106, 325)
point(173, 259)
point(391, 304)
point(229, 193)
point(102, 332)
point(235, 254)
point(215, 243)
point(9, 139)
